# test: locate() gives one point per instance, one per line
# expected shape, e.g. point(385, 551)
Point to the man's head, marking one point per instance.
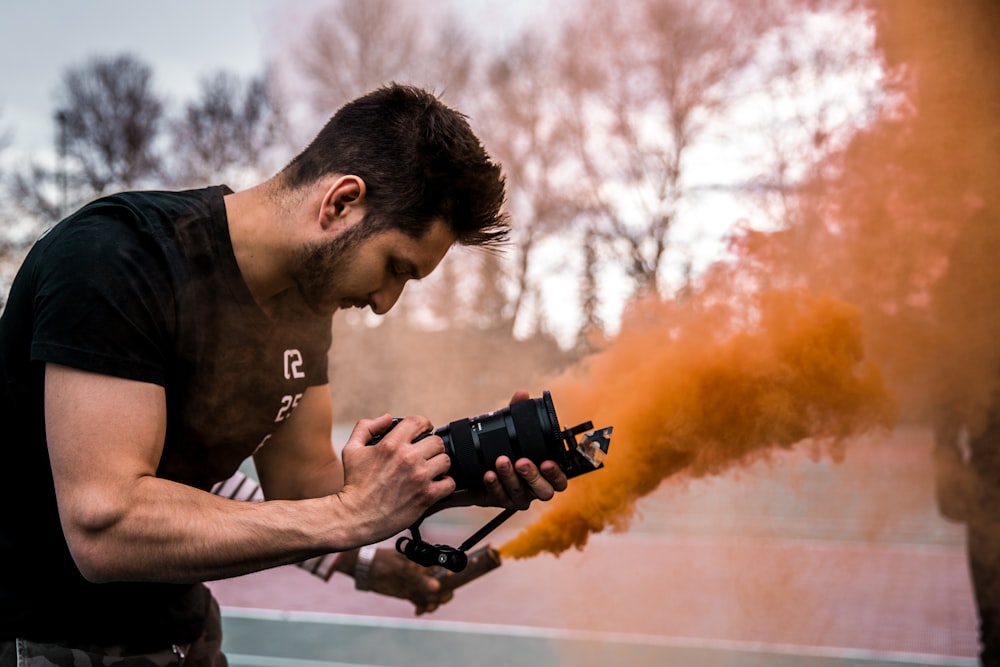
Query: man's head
point(419, 161)
point(357, 268)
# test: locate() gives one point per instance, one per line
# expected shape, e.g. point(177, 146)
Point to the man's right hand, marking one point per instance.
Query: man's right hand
point(389, 486)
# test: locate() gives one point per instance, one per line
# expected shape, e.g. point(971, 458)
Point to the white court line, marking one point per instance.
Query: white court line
point(603, 637)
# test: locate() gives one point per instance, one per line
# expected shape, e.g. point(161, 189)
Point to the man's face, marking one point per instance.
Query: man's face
point(356, 269)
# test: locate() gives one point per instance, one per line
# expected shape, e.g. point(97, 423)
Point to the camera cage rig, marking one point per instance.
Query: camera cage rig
point(575, 457)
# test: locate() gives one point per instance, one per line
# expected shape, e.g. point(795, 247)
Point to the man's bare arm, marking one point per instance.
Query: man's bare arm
point(299, 460)
point(121, 522)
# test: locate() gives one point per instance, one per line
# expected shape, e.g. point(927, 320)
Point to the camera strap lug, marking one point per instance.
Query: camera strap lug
point(450, 558)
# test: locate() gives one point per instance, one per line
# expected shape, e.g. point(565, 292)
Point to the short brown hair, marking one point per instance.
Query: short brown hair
point(420, 161)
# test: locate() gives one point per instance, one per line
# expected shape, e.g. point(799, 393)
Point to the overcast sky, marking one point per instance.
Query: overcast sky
point(180, 39)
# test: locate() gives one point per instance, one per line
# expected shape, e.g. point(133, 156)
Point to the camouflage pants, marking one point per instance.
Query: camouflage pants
point(204, 652)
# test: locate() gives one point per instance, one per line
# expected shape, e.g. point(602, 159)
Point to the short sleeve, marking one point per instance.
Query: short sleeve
point(104, 300)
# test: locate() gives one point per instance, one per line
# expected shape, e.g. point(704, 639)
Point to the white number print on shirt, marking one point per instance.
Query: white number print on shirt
point(293, 365)
point(293, 370)
point(288, 403)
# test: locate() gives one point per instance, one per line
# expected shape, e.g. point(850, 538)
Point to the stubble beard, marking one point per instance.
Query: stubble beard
point(320, 267)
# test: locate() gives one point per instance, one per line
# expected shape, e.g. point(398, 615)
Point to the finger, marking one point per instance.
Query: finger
point(430, 446)
point(437, 599)
point(366, 429)
point(438, 461)
point(518, 493)
point(519, 396)
point(409, 428)
point(494, 490)
point(442, 487)
point(554, 475)
point(431, 603)
point(428, 596)
point(529, 474)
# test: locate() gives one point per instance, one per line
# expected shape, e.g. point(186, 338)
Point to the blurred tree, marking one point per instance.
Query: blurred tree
point(223, 135)
point(10, 240)
point(596, 122)
point(109, 136)
point(521, 124)
point(645, 81)
point(40, 193)
point(354, 47)
point(5, 140)
point(33, 190)
point(489, 298)
point(592, 326)
point(823, 91)
point(112, 119)
point(36, 195)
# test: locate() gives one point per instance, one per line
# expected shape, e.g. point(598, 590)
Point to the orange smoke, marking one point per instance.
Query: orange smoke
point(686, 398)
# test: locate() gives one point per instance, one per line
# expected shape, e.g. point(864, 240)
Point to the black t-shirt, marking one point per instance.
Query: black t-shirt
point(142, 286)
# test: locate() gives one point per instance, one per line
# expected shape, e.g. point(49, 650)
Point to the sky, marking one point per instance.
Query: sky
point(182, 40)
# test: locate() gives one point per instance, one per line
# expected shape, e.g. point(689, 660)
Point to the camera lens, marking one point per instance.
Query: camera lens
point(527, 429)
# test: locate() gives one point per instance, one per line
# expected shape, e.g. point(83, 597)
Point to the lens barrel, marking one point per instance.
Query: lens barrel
point(525, 429)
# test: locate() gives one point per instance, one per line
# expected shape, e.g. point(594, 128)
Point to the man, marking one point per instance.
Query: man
point(967, 489)
point(967, 420)
point(152, 341)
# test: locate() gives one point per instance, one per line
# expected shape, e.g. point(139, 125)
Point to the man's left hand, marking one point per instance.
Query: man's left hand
point(515, 484)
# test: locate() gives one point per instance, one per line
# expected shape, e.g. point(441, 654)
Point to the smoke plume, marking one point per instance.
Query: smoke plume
point(906, 233)
point(689, 395)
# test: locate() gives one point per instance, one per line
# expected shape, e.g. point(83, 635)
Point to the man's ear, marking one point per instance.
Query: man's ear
point(343, 195)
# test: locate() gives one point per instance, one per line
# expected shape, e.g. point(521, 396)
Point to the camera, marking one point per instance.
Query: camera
point(527, 429)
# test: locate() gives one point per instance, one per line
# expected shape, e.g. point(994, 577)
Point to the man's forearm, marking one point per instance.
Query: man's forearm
point(244, 488)
point(174, 533)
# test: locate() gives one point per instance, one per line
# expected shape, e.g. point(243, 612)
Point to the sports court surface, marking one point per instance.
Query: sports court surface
point(787, 562)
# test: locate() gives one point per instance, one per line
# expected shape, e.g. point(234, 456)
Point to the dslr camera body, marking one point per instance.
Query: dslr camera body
point(527, 429)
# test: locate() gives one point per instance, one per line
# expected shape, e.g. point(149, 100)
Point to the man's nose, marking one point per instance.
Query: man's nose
point(384, 299)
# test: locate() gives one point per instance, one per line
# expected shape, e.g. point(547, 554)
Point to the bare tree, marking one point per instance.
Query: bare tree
point(354, 47)
point(8, 243)
point(647, 80)
point(523, 128)
point(112, 118)
point(5, 140)
point(36, 196)
point(225, 133)
point(591, 325)
point(17, 228)
point(33, 191)
point(823, 90)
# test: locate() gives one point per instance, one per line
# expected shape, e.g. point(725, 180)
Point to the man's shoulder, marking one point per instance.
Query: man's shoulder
point(146, 221)
point(169, 206)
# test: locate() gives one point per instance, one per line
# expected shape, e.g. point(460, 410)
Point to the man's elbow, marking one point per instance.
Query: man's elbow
point(93, 564)
point(91, 542)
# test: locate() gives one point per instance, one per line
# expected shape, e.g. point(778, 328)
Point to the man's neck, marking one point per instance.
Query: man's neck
point(255, 229)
